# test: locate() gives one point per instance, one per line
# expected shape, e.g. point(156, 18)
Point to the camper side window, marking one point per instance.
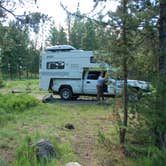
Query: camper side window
point(93, 60)
point(56, 65)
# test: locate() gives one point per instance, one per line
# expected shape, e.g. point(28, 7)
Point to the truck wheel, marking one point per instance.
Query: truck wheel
point(66, 93)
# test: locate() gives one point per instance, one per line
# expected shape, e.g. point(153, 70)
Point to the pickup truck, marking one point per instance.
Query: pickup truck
point(73, 88)
point(86, 85)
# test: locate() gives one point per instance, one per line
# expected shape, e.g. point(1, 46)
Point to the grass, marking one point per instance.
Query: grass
point(93, 142)
point(48, 121)
point(22, 86)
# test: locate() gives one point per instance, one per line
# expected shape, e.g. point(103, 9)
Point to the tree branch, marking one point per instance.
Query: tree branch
point(75, 14)
point(7, 10)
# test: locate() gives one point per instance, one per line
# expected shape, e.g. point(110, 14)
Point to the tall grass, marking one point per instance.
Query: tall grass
point(16, 103)
point(23, 120)
point(26, 154)
point(1, 81)
point(11, 103)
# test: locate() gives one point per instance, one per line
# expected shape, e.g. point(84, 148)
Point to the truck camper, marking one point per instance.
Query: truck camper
point(70, 72)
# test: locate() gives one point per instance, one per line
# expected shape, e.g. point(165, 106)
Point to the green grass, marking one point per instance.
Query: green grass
point(23, 86)
point(48, 121)
point(95, 137)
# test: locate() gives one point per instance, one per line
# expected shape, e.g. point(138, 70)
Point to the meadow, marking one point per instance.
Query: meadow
point(24, 119)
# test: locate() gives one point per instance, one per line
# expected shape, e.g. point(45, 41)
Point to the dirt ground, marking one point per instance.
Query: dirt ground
point(81, 100)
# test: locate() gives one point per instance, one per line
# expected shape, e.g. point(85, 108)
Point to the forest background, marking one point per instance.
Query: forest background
point(132, 39)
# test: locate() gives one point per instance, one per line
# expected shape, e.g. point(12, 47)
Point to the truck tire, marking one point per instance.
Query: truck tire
point(66, 93)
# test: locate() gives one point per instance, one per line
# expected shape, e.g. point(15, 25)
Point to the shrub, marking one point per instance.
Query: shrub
point(2, 162)
point(19, 103)
point(107, 152)
point(25, 153)
point(1, 82)
point(155, 157)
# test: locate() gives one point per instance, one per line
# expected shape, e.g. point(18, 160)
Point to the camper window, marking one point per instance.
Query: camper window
point(92, 60)
point(56, 65)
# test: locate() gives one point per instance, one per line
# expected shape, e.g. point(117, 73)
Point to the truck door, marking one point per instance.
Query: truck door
point(90, 82)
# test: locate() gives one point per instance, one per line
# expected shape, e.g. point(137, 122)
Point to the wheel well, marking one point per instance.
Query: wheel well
point(65, 86)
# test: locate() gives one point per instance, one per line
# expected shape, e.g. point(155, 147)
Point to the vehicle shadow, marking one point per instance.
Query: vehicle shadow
point(81, 100)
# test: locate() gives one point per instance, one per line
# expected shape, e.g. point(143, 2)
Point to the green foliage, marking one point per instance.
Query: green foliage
point(53, 37)
point(16, 103)
point(103, 140)
point(2, 162)
point(146, 135)
point(77, 31)
point(154, 157)
point(26, 153)
point(57, 36)
point(31, 60)
point(17, 53)
point(33, 21)
point(1, 82)
point(104, 155)
point(107, 151)
point(89, 38)
point(62, 37)
point(153, 107)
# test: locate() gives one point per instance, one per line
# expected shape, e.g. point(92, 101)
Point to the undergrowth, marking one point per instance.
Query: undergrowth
point(16, 103)
point(11, 103)
point(1, 82)
point(26, 155)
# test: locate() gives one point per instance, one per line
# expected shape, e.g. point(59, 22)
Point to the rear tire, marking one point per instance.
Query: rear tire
point(66, 93)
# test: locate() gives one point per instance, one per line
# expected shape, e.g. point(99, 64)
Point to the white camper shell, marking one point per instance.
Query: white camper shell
point(71, 72)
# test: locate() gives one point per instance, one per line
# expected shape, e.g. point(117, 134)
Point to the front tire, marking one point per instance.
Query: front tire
point(66, 93)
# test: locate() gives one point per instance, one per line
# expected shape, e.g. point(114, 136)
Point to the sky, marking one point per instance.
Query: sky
point(53, 8)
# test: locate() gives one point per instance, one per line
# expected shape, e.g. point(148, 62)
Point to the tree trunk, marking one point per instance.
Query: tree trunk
point(161, 135)
point(162, 37)
point(27, 73)
point(125, 111)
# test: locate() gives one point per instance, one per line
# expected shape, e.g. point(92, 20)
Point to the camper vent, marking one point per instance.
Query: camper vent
point(59, 48)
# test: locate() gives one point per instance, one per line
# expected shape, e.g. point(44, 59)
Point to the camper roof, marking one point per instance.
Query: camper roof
point(60, 48)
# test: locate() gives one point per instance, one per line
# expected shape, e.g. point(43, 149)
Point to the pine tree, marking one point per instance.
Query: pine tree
point(124, 24)
point(62, 36)
point(77, 29)
point(162, 37)
point(89, 40)
point(53, 36)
